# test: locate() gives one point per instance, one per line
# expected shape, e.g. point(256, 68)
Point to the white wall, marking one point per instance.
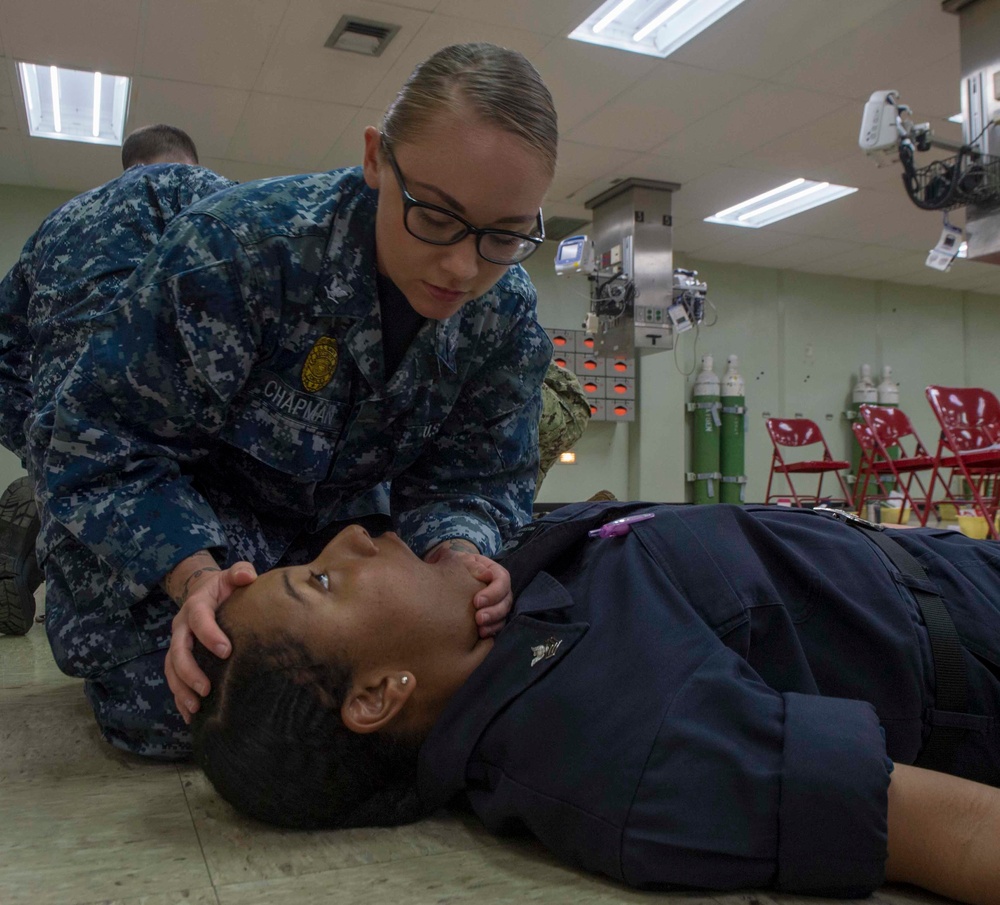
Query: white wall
point(801, 339)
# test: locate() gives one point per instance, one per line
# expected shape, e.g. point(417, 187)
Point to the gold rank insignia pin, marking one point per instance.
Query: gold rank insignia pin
point(545, 650)
point(320, 364)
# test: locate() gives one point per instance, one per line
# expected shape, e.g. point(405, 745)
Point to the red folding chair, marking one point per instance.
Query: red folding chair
point(882, 428)
point(797, 433)
point(969, 447)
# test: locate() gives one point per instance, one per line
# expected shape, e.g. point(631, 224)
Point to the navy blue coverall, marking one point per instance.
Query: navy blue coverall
point(715, 699)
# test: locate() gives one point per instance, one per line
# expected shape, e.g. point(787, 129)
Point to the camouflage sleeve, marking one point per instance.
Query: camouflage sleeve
point(15, 359)
point(476, 479)
point(149, 395)
point(565, 413)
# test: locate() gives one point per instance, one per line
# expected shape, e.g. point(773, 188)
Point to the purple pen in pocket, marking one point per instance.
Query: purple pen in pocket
point(619, 526)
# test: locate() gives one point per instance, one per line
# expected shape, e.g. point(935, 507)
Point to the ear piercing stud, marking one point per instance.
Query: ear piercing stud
point(404, 680)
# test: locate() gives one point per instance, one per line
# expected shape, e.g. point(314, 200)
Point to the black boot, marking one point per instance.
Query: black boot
point(19, 572)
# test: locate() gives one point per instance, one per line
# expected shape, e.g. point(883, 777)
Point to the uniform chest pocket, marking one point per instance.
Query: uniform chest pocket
point(410, 441)
point(290, 431)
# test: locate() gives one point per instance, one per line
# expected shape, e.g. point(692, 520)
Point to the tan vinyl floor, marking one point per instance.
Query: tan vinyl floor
point(81, 823)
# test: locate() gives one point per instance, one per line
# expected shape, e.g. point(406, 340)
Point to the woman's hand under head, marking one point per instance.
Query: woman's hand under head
point(199, 587)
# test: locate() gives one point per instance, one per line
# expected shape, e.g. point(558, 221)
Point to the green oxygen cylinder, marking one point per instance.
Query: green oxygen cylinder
point(705, 435)
point(731, 433)
point(888, 394)
point(864, 393)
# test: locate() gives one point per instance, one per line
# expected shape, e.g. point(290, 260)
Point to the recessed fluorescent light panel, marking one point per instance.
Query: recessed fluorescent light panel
point(653, 27)
point(785, 201)
point(73, 105)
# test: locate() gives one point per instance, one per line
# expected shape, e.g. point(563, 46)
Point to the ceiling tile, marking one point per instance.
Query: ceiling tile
point(862, 172)
point(752, 120)
point(208, 114)
point(744, 246)
point(880, 218)
point(785, 31)
point(8, 78)
point(348, 150)
point(223, 43)
point(934, 92)
point(722, 187)
point(667, 168)
point(790, 257)
point(900, 41)
point(579, 164)
point(774, 90)
point(659, 105)
point(299, 65)
point(93, 36)
point(72, 165)
point(288, 132)
point(696, 235)
point(894, 267)
point(828, 139)
point(10, 115)
point(584, 77)
point(14, 169)
point(439, 31)
point(554, 19)
point(425, 5)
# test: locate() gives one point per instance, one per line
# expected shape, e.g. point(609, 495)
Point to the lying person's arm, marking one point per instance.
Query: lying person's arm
point(944, 835)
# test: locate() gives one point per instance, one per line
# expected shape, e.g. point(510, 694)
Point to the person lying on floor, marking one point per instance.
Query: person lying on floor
point(720, 697)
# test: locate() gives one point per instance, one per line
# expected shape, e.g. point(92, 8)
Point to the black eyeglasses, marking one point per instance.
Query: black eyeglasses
point(439, 226)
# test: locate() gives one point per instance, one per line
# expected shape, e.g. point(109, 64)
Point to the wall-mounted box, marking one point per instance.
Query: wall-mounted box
point(589, 366)
point(619, 409)
point(620, 367)
point(620, 388)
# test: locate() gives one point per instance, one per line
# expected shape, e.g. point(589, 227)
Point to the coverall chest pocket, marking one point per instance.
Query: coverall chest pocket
point(286, 429)
point(410, 441)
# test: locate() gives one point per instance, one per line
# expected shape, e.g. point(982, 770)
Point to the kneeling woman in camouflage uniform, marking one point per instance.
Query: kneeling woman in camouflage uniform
point(357, 345)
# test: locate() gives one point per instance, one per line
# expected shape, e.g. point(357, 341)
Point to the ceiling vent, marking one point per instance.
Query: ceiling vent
point(561, 227)
point(365, 36)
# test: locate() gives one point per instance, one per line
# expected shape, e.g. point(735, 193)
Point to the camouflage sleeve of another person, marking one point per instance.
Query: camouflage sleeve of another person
point(15, 358)
point(565, 413)
point(148, 397)
point(476, 479)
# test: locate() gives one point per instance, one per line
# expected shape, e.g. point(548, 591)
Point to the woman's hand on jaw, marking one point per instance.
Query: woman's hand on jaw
point(198, 586)
point(493, 602)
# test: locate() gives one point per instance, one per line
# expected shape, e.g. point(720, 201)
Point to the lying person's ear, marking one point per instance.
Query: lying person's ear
point(369, 708)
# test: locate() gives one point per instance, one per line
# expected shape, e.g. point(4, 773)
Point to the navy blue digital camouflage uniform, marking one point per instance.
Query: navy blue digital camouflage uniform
point(712, 700)
point(235, 400)
point(72, 266)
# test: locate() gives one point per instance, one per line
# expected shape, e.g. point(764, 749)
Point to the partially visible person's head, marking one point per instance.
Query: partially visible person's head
point(339, 669)
point(480, 83)
point(473, 132)
point(158, 144)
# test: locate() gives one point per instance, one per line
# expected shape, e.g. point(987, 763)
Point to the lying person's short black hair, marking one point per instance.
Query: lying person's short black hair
point(270, 739)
